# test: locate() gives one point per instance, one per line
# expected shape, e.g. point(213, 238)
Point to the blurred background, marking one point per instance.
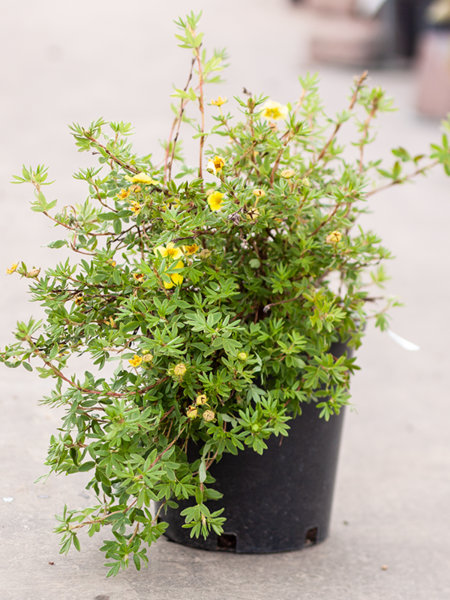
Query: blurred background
point(76, 61)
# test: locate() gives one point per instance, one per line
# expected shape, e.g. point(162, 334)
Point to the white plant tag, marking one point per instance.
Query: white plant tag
point(402, 342)
point(369, 8)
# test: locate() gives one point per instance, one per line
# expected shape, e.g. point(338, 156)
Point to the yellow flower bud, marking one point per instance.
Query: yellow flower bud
point(209, 415)
point(334, 237)
point(252, 214)
point(191, 411)
point(287, 173)
point(242, 356)
point(259, 193)
point(202, 399)
point(204, 254)
point(305, 182)
point(34, 273)
point(147, 358)
point(179, 370)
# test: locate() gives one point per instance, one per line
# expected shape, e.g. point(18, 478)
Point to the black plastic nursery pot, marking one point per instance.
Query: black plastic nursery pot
point(278, 501)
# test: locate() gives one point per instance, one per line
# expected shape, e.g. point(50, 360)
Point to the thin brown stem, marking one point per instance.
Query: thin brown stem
point(177, 124)
point(202, 110)
point(359, 83)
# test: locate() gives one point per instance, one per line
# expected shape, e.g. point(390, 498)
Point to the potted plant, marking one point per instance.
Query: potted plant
point(218, 305)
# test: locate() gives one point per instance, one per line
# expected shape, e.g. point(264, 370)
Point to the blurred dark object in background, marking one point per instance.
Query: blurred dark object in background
point(366, 32)
point(410, 21)
point(352, 32)
point(388, 33)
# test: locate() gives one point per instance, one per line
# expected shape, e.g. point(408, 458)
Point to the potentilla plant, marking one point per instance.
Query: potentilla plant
point(217, 290)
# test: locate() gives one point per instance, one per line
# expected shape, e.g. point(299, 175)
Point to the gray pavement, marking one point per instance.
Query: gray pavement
point(64, 62)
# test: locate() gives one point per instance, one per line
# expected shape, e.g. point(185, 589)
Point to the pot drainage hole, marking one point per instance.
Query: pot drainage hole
point(227, 542)
point(311, 536)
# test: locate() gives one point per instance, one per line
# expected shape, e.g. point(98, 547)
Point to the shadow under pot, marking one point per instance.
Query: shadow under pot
point(274, 502)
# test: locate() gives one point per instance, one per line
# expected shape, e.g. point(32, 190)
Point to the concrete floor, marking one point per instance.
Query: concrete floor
point(64, 62)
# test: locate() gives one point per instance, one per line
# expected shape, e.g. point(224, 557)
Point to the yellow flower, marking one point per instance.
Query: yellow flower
point(135, 207)
point(242, 355)
point(191, 412)
point(12, 269)
point(215, 201)
point(209, 415)
point(334, 237)
point(112, 322)
point(139, 277)
point(274, 110)
point(215, 165)
point(111, 262)
point(219, 163)
point(147, 358)
point(123, 194)
point(179, 370)
point(79, 300)
point(219, 101)
point(202, 399)
point(169, 251)
point(287, 173)
point(135, 188)
point(189, 250)
point(259, 193)
point(135, 361)
point(141, 178)
point(175, 277)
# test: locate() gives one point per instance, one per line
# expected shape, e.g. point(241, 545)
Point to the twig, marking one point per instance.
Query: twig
point(359, 83)
point(178, 120)
point(403, 179)
point(202, 110)
point(269, 306)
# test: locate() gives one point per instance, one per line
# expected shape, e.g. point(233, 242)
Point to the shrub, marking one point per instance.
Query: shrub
point(216, 291)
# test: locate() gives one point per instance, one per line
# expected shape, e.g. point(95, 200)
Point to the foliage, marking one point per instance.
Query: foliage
point(217, 291)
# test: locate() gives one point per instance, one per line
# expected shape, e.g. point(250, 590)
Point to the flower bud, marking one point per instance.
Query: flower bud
point(204, 254)
point(252, 214)
point(34, 273)
point(202, 399)
point(242, 356)
point(209, 415)
point(179, 370)
point(287, 173)
point(259, 193)
point(191, 412)
point(334, 237)
point(147, 358)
